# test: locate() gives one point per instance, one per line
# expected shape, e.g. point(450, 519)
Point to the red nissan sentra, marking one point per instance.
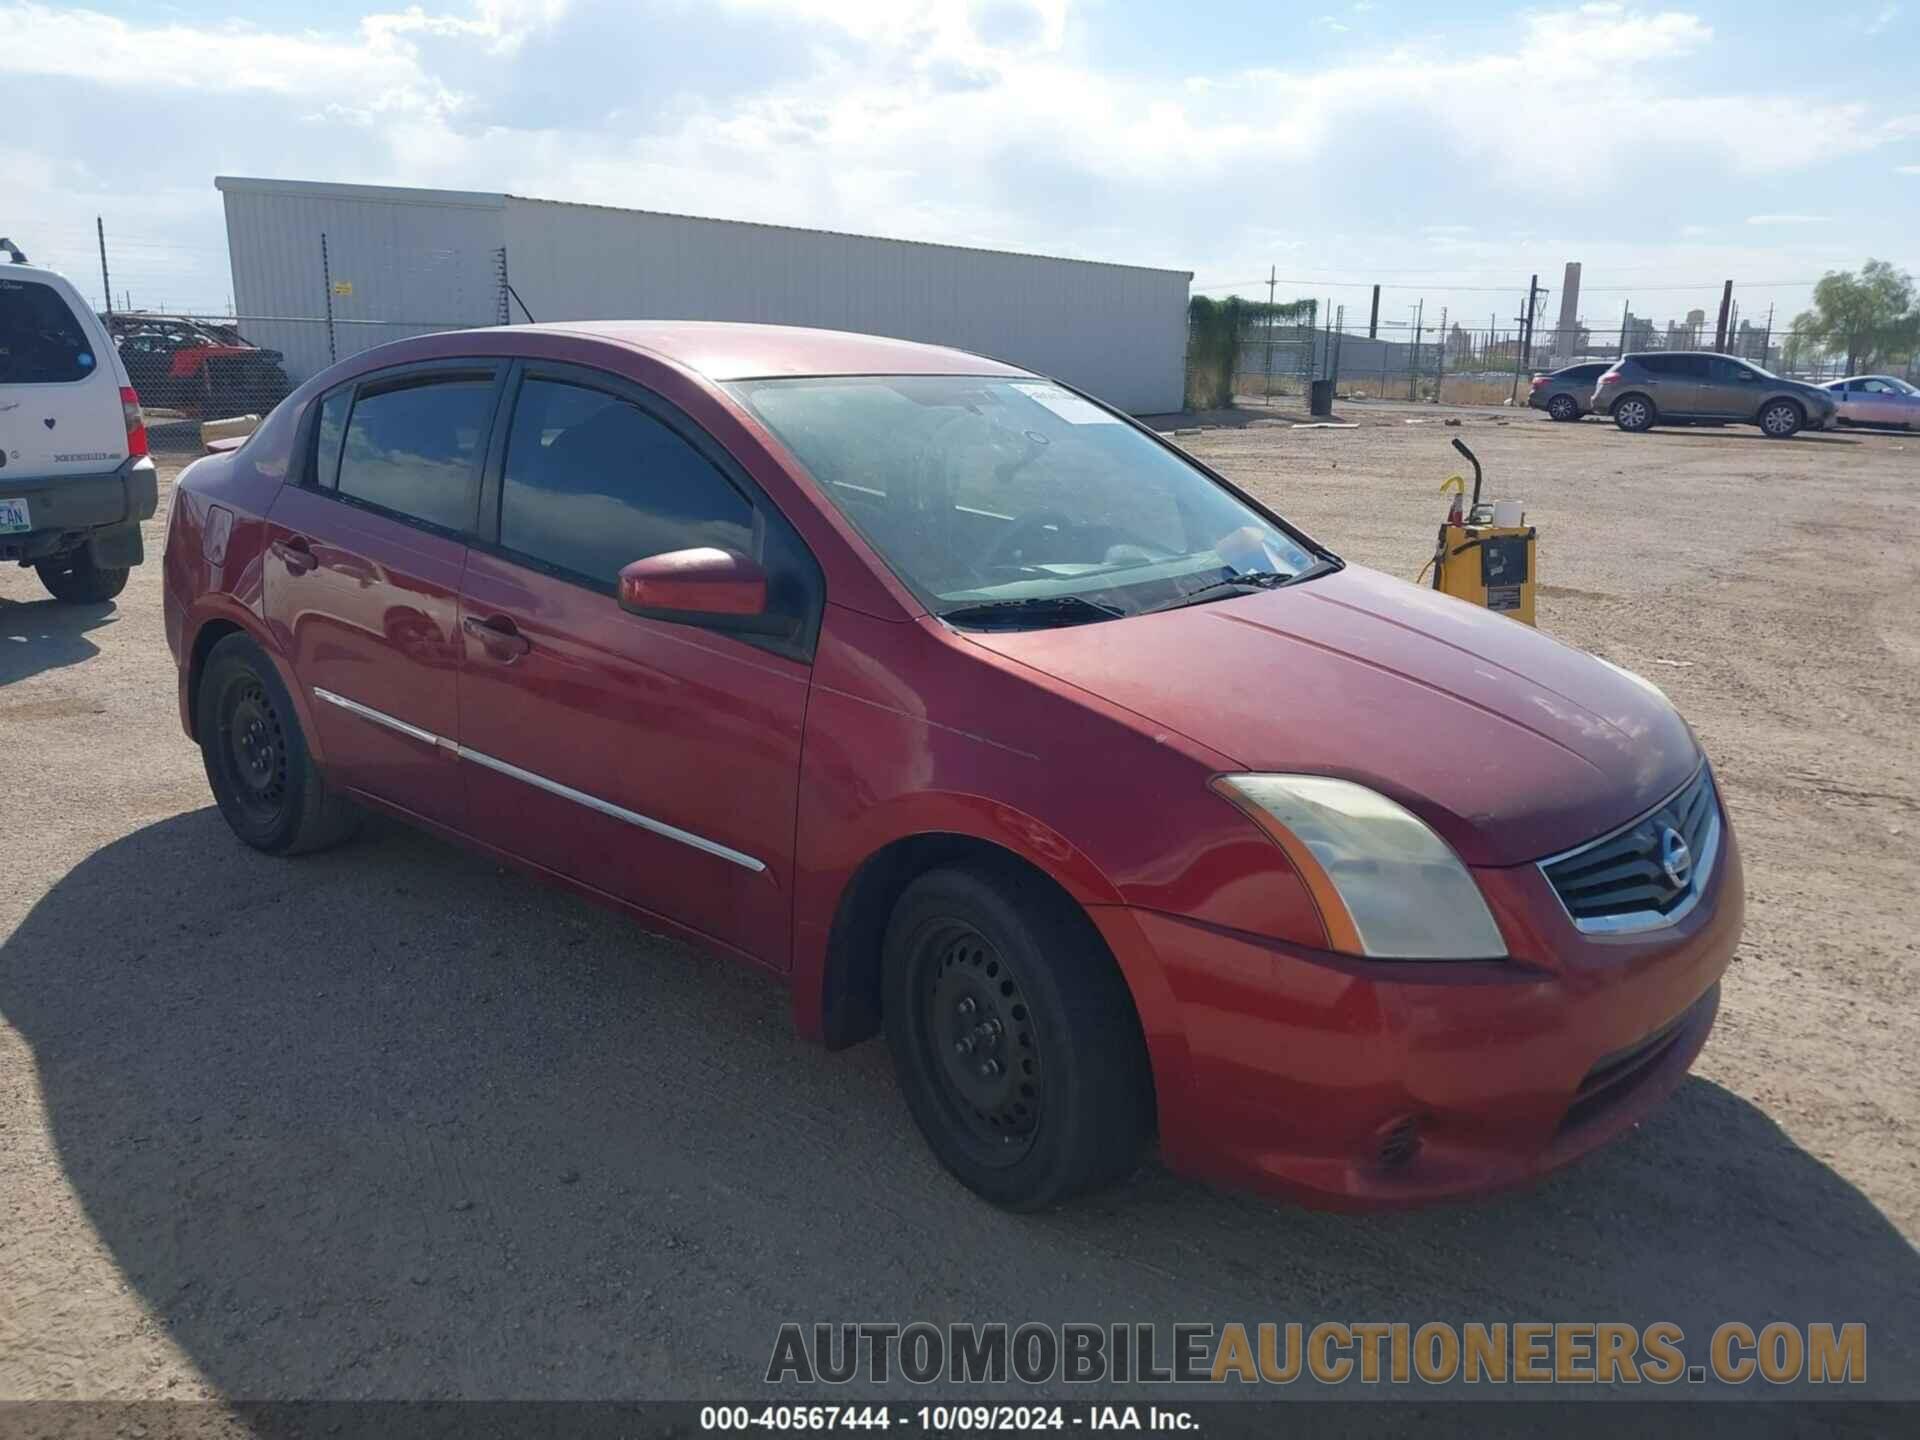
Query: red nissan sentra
point(985, 717)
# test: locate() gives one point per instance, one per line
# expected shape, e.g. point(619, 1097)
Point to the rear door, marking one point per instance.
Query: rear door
point(59, 393)
point(653, 760)
point(1686, 383)
point(362, 575)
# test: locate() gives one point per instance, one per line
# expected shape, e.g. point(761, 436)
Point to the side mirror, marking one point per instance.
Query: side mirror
point(721, 589)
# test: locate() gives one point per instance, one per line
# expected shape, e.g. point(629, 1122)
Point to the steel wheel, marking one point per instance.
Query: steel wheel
point(253, 743)
point(1563, 407)
point(974, 1015)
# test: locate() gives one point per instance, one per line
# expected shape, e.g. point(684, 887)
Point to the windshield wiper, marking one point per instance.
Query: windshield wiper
point(1033, 609)
point(1254, 580)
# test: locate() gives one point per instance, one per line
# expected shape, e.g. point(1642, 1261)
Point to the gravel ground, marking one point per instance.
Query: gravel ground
point(391, 1122)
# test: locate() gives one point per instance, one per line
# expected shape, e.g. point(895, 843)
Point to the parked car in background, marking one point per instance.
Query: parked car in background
point(75, 476)
point(1876, 400)
point(203, 369)
point(948, 695)
point(1567, 394)
point(1658, 387)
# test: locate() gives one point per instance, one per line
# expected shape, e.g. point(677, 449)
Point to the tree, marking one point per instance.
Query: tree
point(1870, 317)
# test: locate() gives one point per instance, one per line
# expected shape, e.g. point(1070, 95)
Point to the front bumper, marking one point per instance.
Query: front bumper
point(1353, 1084)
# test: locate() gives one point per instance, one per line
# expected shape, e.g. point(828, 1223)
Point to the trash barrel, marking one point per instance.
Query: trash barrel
point(1320, 399)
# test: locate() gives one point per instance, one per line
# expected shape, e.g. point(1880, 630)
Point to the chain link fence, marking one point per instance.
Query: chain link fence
point(1494, 366)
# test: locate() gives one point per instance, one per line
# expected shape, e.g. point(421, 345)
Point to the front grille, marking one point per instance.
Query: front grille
point(1622, 881)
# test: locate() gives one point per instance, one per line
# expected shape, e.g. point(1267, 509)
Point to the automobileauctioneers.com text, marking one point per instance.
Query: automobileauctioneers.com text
point(1329, 1353)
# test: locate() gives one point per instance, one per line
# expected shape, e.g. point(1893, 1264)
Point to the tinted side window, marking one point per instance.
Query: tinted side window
point(1660, 364)
point(1730, 371)
point(1583, 372)
point(327, 435)
point(593, 483)
point(412, 448)
point(41, 342)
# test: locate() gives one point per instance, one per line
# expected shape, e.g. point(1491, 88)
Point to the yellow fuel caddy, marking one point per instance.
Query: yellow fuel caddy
point(1485, 553)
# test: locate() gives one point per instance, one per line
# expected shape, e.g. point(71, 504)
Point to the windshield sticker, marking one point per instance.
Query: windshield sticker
point(1068, 406)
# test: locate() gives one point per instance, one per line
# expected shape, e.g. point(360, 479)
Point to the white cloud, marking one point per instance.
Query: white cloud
point(1882, 18)
point(1906, 169)
point(1788, 220)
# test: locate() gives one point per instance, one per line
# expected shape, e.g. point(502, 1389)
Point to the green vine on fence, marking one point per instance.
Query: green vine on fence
point(1215, 331)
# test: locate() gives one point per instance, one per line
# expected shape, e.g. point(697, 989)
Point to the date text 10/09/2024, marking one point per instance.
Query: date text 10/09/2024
point(940, 1419)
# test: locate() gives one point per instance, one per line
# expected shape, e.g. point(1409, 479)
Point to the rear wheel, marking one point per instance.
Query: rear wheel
point(1634, 413)
point(76, 580)
point(1563, 407)
point(1781, 419)
point(257, 761)
point(1014, 1037)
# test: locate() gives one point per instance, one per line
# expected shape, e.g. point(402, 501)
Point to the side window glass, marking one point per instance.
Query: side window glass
point(593, 483)
point(327, 436)
point(413, 449)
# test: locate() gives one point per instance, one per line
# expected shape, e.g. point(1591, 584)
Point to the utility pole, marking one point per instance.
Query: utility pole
point(1766, 344)
point(1373, 324)
point(1271, 272)
point(1413, 355)
point(1526, 336)
point(106, 285)
point(1726, 305)
point(1440, 365)
point(1626, 322)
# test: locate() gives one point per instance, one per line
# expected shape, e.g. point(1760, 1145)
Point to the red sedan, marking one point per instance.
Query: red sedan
point(983, 717)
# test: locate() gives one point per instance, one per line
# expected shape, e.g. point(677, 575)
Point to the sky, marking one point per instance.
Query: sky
point(1445, 150)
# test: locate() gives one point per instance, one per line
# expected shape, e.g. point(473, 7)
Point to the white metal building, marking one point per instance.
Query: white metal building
point(403, 261)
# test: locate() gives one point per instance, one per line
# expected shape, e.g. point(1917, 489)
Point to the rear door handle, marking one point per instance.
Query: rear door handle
point(499, 636)
point(296, 554)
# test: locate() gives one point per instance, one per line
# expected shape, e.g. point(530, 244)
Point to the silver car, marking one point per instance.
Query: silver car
point(1876, 400)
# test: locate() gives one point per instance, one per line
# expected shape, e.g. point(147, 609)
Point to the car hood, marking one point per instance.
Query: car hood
point(1510, 744)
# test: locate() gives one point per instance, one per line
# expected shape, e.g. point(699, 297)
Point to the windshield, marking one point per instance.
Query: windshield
point(1017, 503)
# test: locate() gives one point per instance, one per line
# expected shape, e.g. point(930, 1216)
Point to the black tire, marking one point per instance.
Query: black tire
point(257, 761)
point(987, 964)
point(1563, 408)
point(1633, 413)
point(1781, 419)
point(75, 580)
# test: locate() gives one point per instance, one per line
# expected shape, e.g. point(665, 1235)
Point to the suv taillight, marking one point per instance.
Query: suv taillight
point(1612, 377)
point(136, 422)
point(1539, 381)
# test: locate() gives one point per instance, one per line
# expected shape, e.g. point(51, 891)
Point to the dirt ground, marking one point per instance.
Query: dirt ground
point(390, 1122)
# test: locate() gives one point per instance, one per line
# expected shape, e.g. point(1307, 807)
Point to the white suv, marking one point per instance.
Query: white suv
point(75, 476)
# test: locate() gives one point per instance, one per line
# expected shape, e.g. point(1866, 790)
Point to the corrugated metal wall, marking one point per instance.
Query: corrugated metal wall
point(400, 262)
point(1117, 331)
point(427, 259)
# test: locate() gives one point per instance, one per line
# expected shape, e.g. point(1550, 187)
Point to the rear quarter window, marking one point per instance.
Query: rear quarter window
point(41, 340)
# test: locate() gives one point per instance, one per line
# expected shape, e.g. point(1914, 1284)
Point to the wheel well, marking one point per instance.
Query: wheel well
point(1773, 400)
point(850, 998)
point(211, 634)
point(1620, 400)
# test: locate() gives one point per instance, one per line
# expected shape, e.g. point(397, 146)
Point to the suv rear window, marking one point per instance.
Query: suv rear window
point(1584, 372)
point(41, 342)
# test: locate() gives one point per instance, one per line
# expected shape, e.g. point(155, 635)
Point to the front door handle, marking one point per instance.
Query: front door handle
point(498, 636)
point(296, 554)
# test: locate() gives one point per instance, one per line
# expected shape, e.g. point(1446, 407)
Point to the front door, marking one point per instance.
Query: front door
point(1732, 391)
point(362, 577)
point(657, 762)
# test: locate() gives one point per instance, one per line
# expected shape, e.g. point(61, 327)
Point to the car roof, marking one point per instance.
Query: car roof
point(728, 350)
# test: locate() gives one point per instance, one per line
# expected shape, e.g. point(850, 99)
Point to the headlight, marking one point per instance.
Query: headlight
point(1386, 885)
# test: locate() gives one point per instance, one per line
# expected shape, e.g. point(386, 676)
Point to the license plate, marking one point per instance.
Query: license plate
point(13, 517)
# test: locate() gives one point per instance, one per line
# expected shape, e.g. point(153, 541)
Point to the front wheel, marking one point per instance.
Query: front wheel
point(256, 756)
point(1014, 1037)
point(1635, 414)
point(1781, 419)
point(75, 580)
point(1563, 407)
